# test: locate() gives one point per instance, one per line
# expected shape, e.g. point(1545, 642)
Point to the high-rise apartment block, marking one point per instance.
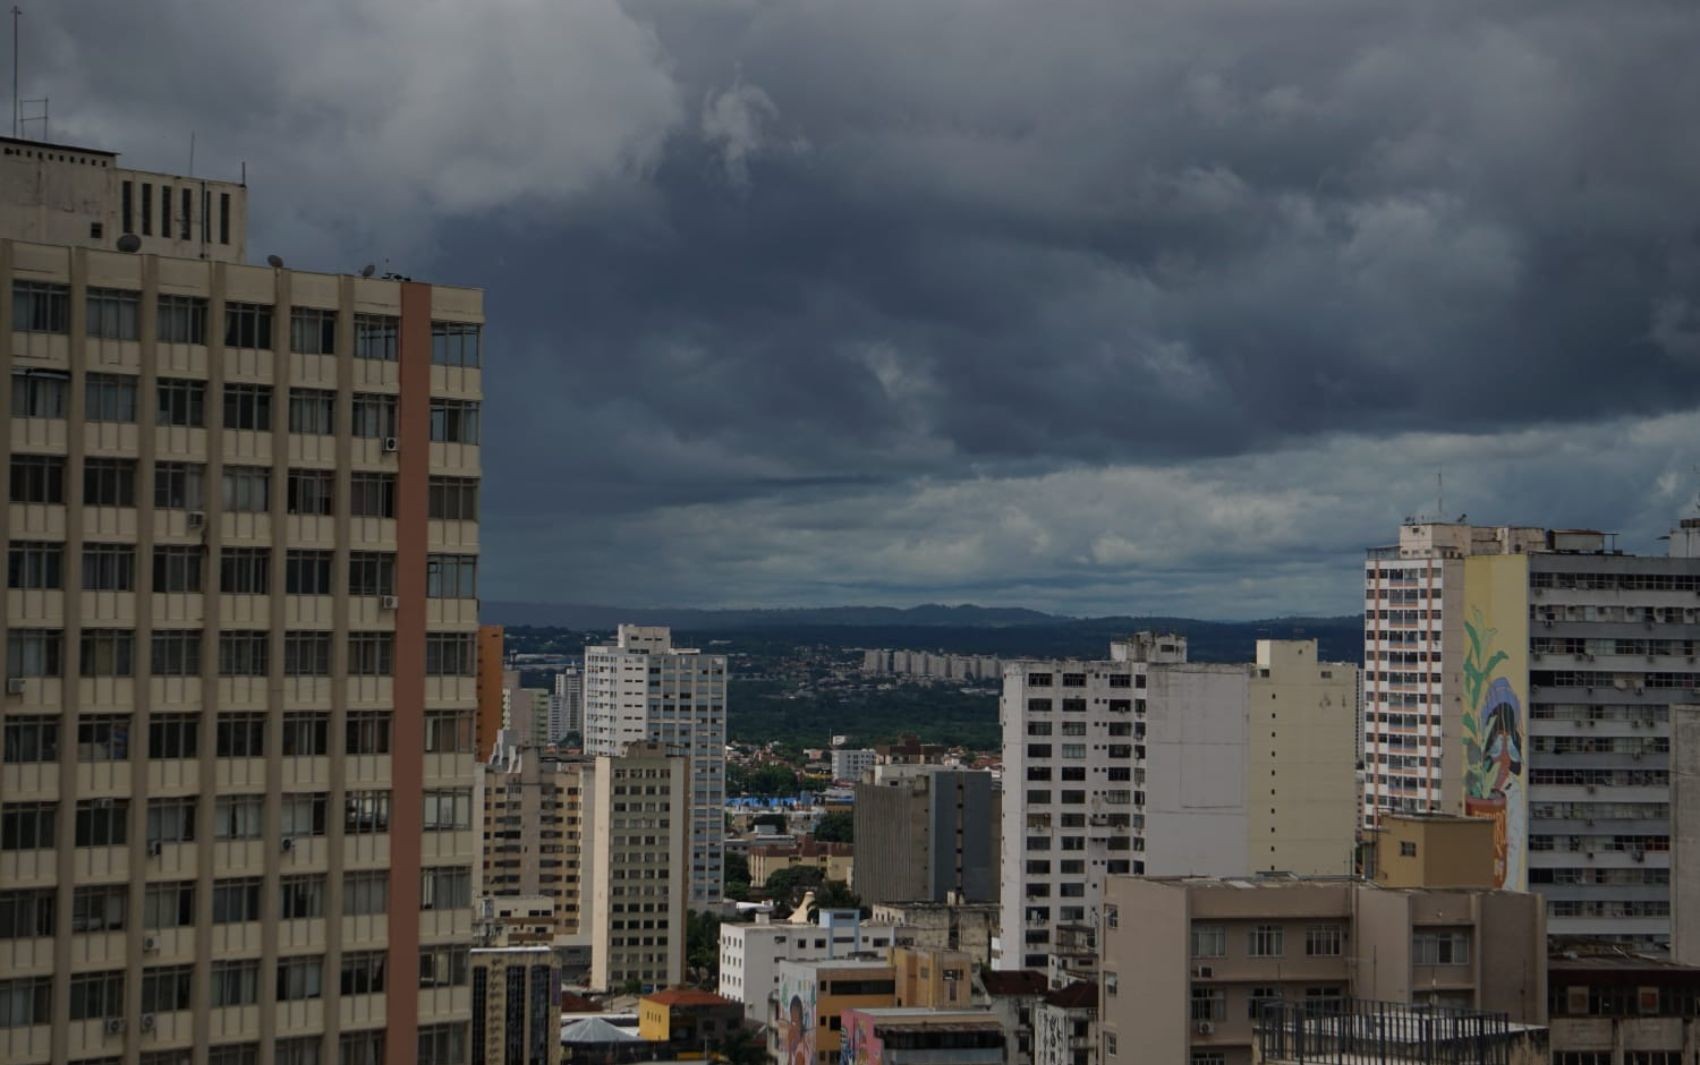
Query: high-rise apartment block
point(1149, 763)
point(638, 844)
point(566, 706)
point(1527, 675)
point(926, 833)
point(242, 542)
point(643, 689)
point(531, 839)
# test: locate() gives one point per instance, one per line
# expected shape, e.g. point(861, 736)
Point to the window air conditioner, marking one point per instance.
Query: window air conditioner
point(392, 443)
point(390, 602)
point(15, 685)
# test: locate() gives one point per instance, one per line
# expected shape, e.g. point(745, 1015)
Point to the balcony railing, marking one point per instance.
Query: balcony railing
point(1347, 1031)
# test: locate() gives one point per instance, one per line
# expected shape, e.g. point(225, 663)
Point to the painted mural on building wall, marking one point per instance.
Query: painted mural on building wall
point(797, 1017)
point(1496, 675)
point(861, 1043)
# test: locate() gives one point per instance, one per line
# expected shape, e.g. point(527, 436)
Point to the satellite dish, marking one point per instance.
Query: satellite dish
point(368, 270)
point(130, 242)
point(274, 262)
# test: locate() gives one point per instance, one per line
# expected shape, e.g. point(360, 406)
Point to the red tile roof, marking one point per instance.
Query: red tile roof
point(688, 996)
point(1018, 982)
point(1082, 995)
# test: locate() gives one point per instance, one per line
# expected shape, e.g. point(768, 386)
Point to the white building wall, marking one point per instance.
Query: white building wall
point(750, 955)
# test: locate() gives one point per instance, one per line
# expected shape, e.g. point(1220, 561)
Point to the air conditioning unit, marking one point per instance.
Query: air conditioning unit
point(16, 685)
point(390, 602)
point(196, 519)
point(114, 1025)
point(147, 1022)
point(1203, 972)
point(155, 848)
point(1593, 788)
point(150, 944)
point(392, 443)
point(1639, 856)
point(1205, 1028)
point(287, 843)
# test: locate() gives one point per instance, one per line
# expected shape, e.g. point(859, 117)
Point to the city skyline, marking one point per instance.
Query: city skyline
point(1042, 315)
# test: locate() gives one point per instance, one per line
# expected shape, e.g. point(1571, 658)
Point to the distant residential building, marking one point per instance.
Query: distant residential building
point(849, 763)
point(1527, 675)
point(971, 927)
point(750, 954)
point(1618, 1008)
point(930, 665)
point(1188, 962)
point(1149, 763)
point(492, 689)
point(526, 712)
point(805, 1018)
point(1015, 996)
point(903, 1036)
point(1065, 1027)
point(929, 978)
point(566, 705)
point(513, 920)
point(643, 689)
point(1432, 851)
point(1685, 832)
point(909, 750)
point(531, 831)
point(930, 834)
point(836, 861)
point(638, 845)
point(686, 1022)
point(516, 1012)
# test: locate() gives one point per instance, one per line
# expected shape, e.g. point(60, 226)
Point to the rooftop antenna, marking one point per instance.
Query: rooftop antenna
point(1440, 492)
point(16, 12)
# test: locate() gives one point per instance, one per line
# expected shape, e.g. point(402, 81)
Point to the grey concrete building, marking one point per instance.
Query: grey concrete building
point(926, 834)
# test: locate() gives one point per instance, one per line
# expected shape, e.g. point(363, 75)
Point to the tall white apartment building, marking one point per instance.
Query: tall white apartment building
point(236, 764)
point(1146, 763)
point(1527, 675)
point(566, 706)
point(637, 844)
point(750, 953)
point(643, 689)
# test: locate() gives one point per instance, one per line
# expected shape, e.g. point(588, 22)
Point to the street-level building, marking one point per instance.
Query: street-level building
point(805, 1016)
point(922, 1036)
point(236, 753)
point(1612, 1007)
point(750, 954)
point(641, 688)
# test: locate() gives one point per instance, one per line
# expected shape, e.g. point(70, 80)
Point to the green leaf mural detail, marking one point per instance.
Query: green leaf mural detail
point(1477, 675)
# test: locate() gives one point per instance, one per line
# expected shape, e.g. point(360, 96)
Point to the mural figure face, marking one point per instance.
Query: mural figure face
point(1502, 746)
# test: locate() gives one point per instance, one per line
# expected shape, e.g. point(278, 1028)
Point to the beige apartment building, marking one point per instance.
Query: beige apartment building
point(236, 737)
point(640, 845)
point(1188, 962)
point(531, 832)
point(516, 994)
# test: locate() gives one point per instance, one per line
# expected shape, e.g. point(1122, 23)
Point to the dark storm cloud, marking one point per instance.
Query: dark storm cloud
point(813, 299)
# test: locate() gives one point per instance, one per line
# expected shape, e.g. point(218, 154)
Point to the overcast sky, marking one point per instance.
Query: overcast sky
point(1143, 306)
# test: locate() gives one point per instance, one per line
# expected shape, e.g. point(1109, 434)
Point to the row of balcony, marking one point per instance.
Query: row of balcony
point(47, 521)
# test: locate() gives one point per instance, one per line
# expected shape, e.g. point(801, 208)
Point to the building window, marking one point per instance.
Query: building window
point(181, 402)
point(359, 1048)
point(108, 653)
point(241, 734)
point(176, 652)
point(1323, 941)
point(168, 988)
point(301, 897)
point(442, 1044)
point(451, 576)
point(40, 307)
point(366, 812)
point(179, 486)
point(375, 336)
point(236, 901)
point(109, 397)
point(456, 343)
point(248, 407)
point(371, 573)
point(312, 331)
point(445, 888)
point(299, 979)
point(103, 737)
point(177, 569)
point(35, 653)
point(39, 393)
point(224, 218)
point(363, 972)
point(445, 966)
point(147, 209)
point(1209, 1003)
point(30, 564)
point(312, 412)
point(38, 479)
point(307, 654)
point(248, 325)
point(171, 821)
point(448, 810)
point(245, 570)
point(28, 826)
point(454, 421)
point(453, 498)
point(109, 568)
point(374, 415)
point(306, 733)
point(1260, 997)
point(103, 822)
point(242, 654)
point(109, 482)
point(235, 983)
point(100, 908)
point(310, 491)
point(367, 732)
point(371, 654)
point(1209, 941)
point(1407, 849)
point(239, 816)
point(182, 320)
point(29, 741)
point(97, 996)
point(26, 914)
point(1440, 947)
point(372, 495)
point(1265, 941)
point(365, 894)
point(449, 654)
point(174, 735)
point(307, 573)
point(247, 489)
point(302, 1050)
point(169, 905)
point(448, 732)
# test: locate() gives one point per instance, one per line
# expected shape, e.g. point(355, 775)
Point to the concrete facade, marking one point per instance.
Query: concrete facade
point(238, 728)
point(849, 763)
point(531, 832)
point(927, 836)
point(1685, 832)
point(642, 688)
point(1412, 851)
point(638, 845)
point(750, 953)
point(516, 1005)
point(971, 927)
point(1622, 1009)
point(1187, 961)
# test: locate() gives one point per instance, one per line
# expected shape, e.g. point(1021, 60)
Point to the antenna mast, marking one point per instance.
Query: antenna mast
point(1440, 495)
